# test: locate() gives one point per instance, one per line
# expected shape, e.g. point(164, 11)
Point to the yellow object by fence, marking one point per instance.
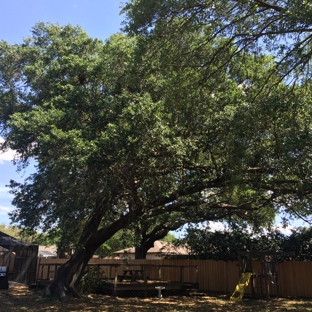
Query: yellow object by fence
point(240, 288)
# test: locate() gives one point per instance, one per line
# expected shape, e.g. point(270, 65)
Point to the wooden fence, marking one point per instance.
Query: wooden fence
point(294, 277)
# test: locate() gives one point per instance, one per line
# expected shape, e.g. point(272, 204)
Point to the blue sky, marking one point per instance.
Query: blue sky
point(99, 18)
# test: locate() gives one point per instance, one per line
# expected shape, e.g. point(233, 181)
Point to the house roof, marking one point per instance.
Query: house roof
point(9, 242)
point(160, 247)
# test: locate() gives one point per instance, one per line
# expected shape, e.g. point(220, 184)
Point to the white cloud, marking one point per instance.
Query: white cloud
point(216, 226)
point(4, 192)
point(219, 226)
point(6, 156)
point(5, 210)
point(284, 230)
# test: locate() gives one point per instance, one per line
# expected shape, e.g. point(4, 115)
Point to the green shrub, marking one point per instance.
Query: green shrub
point(92, 280)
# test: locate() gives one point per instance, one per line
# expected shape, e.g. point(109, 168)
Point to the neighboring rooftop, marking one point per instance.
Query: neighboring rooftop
point(47, 252)
point(160, 250)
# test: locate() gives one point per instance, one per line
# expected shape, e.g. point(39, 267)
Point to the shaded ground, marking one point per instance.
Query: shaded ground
point(20, 298)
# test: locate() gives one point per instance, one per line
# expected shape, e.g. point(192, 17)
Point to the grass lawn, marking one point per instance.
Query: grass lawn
point(20, 298)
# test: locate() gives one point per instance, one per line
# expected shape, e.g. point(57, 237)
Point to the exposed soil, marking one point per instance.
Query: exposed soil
point(20, 298)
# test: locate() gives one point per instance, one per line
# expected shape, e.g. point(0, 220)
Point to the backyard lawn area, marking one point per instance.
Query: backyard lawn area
point(20, 298)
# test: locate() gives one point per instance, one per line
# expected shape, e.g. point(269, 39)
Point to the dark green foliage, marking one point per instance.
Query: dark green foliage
point(225, 245)
point(91, 280)
point(300, 243)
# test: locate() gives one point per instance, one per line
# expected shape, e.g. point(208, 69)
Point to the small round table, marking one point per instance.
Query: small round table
point(160, 288)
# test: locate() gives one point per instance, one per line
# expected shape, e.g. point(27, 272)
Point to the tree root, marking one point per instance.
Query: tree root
point(64, 292)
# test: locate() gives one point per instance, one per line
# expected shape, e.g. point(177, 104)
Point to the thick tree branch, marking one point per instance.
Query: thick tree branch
point(266, 5)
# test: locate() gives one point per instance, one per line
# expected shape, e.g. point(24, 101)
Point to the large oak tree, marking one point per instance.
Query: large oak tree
point(123, 134)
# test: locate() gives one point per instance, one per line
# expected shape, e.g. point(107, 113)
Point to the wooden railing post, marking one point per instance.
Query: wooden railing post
point(182, 274)
point(144, 274)
point(115, 281)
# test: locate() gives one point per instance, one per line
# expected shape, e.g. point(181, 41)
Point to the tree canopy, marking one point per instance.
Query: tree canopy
point(281, 27)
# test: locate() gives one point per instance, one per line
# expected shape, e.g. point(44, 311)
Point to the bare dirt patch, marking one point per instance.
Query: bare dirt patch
point(20, 298)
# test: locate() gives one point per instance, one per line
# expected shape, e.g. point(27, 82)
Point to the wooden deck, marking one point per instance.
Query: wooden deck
point(132, 279)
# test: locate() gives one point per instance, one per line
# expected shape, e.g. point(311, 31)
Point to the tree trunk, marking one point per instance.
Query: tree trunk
point(145, 245)
point(140, 252)
point(147, 242)
point(68, 276)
